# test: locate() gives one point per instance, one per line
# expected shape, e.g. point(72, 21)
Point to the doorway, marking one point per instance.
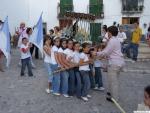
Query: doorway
point(130, 20)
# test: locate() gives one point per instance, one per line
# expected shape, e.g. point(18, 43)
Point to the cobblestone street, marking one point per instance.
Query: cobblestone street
point(27, 95)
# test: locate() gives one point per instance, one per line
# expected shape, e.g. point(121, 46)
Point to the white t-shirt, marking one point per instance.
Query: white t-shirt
point(76, 57)
point(47, 58)
point(122, 36)
point(54, 50)
point(84, 67)
point(69, 54)
point(24, 55)
point(97, 63)
point(106, 38)
point(60, 50)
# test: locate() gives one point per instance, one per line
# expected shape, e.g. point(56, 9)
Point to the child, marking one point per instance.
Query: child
point(69, 57)
point(76, 59)
point(146, 105)
point(84, 71)
point(54, 66)
point(25, 57)
point(98, 73)
point(63, 74)
point(47, 60)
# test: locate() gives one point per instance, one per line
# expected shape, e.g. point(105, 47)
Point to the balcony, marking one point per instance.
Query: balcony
point(97, 10)
point(132, 6)
point(62, 9)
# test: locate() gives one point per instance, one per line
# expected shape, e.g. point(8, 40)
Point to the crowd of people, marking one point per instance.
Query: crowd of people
point(74, 68)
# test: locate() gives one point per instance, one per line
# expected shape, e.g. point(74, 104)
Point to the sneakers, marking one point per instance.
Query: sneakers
point(99, 89)
point(89, 96)
point(56, 94)
point(133, 61)
point(84, 99)
point(65, 95)
point(48, 91)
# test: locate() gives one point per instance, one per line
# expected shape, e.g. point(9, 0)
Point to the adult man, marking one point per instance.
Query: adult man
point(135, 40)
point(116, 62)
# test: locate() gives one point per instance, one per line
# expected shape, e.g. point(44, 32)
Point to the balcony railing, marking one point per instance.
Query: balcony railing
point(62, 9)
point(130, 6)
point(97, 10)
point(138, 9)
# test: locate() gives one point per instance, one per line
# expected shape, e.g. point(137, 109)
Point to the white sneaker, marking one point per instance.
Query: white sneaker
point(101, 88)
point(85, 99)
point(65, 95)
point(133, 61)
point(33, 66)
point(96, 88)
point(48, 91)
point(57, 94)
point(89, 96)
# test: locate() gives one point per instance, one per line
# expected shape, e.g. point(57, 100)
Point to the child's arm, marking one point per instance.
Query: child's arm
point(25, 50)
point(82, 62)
point(47, 50)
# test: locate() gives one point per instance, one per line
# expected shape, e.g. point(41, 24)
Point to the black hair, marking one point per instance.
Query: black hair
point(61, 41)
point(23, 38)
point(147, 90)
point(51, 30)
point(137, 22)
point(84, 45)
point(105, 27)
point(69, 40)
point(148, 29)
point(75, 43)
point(28, 30)
point(113, 30)
point(47, 37)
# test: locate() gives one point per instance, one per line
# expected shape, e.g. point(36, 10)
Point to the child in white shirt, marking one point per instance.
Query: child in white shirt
point(25, 57)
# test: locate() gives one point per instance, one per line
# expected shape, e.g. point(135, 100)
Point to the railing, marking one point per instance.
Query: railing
point(129, 6)
point(97, 10)
point(138, 9)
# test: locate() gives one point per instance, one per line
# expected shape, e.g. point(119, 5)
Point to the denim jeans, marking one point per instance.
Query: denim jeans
point(78, 82)
point(92, 80)
point(98, 77)
point(56, 79)
point(64, 82)
point(26, 63)
point(71, 82)
point(134, 48)
point(85, 82)
point(49, 71)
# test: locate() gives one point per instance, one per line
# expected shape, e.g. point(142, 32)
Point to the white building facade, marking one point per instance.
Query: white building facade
point(28, 11)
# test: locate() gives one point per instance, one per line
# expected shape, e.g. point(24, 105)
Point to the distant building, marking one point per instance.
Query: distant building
point(107, 12)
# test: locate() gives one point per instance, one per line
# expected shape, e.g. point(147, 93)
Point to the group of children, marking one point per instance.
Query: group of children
point(74, 64)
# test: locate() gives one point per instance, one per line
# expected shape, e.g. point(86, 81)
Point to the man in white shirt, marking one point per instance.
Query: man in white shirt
point(121, 34)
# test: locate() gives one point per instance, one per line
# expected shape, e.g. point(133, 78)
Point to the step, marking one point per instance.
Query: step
point(144, 50)
point(144, 56)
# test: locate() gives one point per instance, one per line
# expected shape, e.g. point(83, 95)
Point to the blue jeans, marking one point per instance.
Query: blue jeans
point(49, 71)
point(64, 82)
point(78, 82)
point(91, 77)
point(85, 82)
point(56, 79)
point(26, 63)
point(71, 82)
point(134, 48)
point(98, 77)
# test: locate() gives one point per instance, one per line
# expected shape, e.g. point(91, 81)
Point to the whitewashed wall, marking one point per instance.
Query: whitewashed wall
point(29, 11)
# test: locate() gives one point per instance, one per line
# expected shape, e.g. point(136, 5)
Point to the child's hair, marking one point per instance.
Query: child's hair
point(24, 38)
point(105, 27)
point(28, 30)
point(57, 28)
point(147, 90)
point(84, 45)
point(51, 30)
point(113, 30)
point(75, 43)
point(62, 40)
point(47, 37)
point(69, 40)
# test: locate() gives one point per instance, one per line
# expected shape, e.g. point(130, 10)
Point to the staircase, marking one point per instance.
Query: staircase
point(144, 52)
